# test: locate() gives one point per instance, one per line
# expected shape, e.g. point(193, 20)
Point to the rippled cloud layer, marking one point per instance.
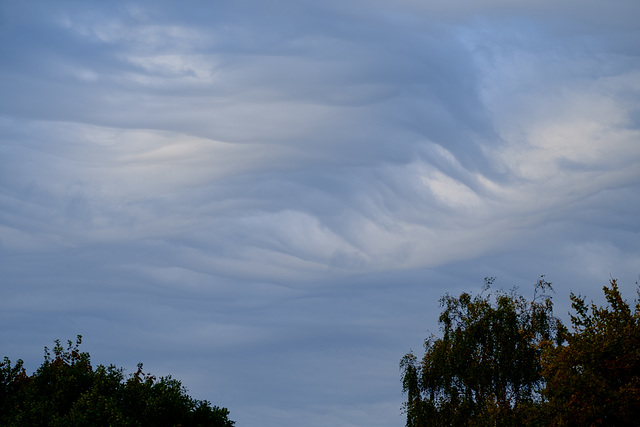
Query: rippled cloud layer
point(267, 199)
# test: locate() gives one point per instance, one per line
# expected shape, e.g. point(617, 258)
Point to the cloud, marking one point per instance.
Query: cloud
point(271, 197)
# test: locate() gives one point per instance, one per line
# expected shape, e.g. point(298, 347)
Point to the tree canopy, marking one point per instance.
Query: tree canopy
point(67, 391)
point(503, 360)
point(595, 378)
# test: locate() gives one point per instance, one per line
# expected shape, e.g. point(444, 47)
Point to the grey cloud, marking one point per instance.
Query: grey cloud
point(267, 199)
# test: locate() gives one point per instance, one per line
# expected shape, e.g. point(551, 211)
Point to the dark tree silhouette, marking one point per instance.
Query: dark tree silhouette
point(67, 391)
point(510, 362)
point(595, 378)
point(486, 369)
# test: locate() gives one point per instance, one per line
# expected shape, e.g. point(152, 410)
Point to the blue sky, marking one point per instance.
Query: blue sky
point(267, 199)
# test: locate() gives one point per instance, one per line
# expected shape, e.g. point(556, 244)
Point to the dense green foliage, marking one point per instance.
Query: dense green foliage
point(595, 378)
point(486, 368)
point(506, 361)
point(67, 391)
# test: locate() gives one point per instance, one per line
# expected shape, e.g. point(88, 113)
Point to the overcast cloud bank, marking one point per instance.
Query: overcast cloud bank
point(267, 200)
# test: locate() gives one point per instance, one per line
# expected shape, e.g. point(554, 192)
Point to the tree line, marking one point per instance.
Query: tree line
point(503, 360)
point(67, 391)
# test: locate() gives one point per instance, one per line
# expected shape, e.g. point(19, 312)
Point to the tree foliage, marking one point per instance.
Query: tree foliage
point(67, 391)
point(595, 378)
point(486, 367)
point(506, 361)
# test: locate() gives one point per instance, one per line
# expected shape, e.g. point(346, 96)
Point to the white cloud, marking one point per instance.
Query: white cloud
point(278, 181)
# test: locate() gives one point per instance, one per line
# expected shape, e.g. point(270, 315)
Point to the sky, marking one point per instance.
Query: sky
point(266, 200)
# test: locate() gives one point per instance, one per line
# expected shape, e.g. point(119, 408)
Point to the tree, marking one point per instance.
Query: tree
point(66, 391)
point(486, 369)
point(595, 379)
